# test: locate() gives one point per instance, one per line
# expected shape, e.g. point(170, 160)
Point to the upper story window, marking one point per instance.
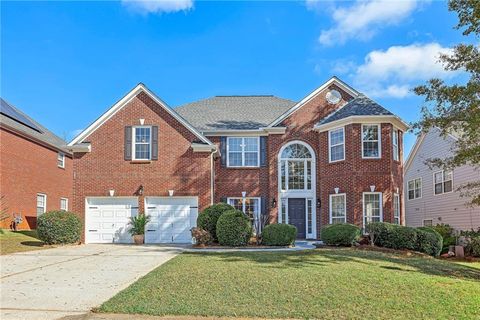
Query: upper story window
point(243, 151)
point(64, 204)
point(41, 203)
point(396, 208)
point(371, 141)
point(61, 160)
point(443, 181)
point(414, 188)
point(142, 143)
point(296, 168)
point(396, 150)
point(336, 144)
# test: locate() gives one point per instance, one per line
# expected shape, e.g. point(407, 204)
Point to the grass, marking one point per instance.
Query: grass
point(322, 284)
point(19, 241)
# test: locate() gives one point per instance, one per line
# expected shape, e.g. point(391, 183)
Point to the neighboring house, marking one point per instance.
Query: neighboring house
point(36, 173)
point(430, 194)
point(335, 156)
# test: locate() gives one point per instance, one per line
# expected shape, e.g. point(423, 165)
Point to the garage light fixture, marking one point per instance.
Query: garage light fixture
point(244, 194)
point(170, 193)
point(111, 192)
point(139, 190)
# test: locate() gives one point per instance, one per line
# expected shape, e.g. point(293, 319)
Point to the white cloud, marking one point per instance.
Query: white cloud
point(363, 19)
point(157, 6)
point(395, 71)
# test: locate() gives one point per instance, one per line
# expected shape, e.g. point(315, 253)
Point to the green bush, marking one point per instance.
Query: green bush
point(207, 220)
point(59, 227)
point(429, 241)
point(403, 238)
point(138, 224)
point(381, 232)
point(473, 247)
point(279, 234)
point(234, 229)
point(341, 234)
point(446, 231)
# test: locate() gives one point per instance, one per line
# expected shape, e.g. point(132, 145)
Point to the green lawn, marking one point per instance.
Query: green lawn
point(323, 283)
point(19, 241)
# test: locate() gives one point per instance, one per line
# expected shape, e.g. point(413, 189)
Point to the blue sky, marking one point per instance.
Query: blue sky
point(65, 63)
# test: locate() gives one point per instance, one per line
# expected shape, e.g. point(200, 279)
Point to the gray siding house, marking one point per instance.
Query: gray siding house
point(430, 196)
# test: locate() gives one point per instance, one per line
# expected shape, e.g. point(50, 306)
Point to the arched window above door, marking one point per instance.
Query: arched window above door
point(296, 167)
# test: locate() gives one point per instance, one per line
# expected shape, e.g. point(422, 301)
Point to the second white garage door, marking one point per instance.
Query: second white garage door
point(171, 219)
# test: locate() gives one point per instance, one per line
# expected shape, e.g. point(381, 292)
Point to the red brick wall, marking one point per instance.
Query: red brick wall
point(353, 176)
point(177, 167)
point(28, 168)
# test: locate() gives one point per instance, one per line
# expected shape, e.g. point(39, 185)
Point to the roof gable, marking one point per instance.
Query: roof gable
point(123, 102)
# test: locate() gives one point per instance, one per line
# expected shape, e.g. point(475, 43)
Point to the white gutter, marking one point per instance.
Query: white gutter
point(212, 177)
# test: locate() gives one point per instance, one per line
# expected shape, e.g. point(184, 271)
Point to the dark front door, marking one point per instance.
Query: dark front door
point(296, 215)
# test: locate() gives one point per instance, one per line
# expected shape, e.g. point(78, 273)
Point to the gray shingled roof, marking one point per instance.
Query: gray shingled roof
point(45, 135)
point(359, 106)
point(234, 112)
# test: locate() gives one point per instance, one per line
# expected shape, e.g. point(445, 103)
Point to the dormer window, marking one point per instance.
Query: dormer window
point(371, 141)
point(142, 147)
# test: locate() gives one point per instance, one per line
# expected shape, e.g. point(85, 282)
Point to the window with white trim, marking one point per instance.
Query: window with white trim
point(371, 141)
point(283, 208)
point(249, 206)
point(243, 151)
point(443, 181)
point(142, 143)
point(414, 188)
point(296, 168)
point(336, 144)
point(396, 150)
point(61, 160)
point(64, 204)
point(41, 203)
point(309, 216)
point(338, 208)
point(396, 208)
point(372, 207)
point(428, 223)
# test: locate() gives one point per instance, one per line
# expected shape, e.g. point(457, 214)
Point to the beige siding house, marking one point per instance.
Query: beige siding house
point(430, 196)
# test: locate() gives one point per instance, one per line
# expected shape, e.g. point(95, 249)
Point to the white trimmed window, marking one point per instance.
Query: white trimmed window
point(64, 204)
point(41, 203)
point(371, 141)
point(396, 150)
point(336, 144)
point(284, 209)
point(372, 207)
point(250, 206)
point(428, 223)
point(243, 151)
point(396, 208)
point(338, 208)
point(414, 188)
point(61, 160)
point(309, 216)
point(443, 181)
point(142, 143)
point(296, 168)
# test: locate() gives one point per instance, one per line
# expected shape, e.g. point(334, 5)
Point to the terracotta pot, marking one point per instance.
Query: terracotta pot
point(138, 238)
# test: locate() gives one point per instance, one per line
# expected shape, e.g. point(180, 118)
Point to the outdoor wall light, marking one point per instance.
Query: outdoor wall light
point(140, 190)
point(244, 194)
point(111, 192)
point(336, 190)
point(319, 203)
point(274, 203)
point(372, 188)
point(170, 193)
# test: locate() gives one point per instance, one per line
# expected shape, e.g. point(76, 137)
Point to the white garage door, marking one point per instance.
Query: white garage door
point(106, 219)
point(171, 219)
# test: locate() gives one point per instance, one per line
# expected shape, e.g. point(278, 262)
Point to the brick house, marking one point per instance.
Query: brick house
point(335, 156)
point(36, 172)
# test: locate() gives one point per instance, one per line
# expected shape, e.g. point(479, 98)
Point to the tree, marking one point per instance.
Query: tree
point(456, 108)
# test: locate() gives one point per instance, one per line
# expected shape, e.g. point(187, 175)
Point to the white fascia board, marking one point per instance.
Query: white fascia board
point(265, 131)
point(396, 121)
point(122, 102)
point(333, 80)
point(81, 147)
point(200, 147)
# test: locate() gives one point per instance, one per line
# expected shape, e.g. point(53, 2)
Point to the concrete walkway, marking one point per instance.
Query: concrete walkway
point(52, 283)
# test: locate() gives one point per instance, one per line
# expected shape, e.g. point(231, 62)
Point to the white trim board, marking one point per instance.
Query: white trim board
point(124, 101)
point(332, 80)
point(396, 121)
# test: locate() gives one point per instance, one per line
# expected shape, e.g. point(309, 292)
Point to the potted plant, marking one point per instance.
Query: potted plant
point(137, 230)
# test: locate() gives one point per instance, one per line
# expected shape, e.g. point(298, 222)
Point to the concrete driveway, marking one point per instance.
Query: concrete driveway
point(52, 283)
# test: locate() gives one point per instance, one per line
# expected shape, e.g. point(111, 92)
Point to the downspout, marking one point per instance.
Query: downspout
point(212, 176)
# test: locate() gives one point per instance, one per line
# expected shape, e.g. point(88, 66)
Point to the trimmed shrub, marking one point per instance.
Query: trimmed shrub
point(429, 241)
point(402, 238)
point(446, 231)
point(201, 236)
point(207, 220)
point(341, 234)
point(234, 229)
point(59, 227)
point(381, 232)
point(279, 234)
point(473, 247)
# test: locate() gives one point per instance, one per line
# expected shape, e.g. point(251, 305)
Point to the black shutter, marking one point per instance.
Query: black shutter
point(223, 199)
point(154, 142)
point(223, 151)
point(263, 151)
point(264, 205)
point(128, 143)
